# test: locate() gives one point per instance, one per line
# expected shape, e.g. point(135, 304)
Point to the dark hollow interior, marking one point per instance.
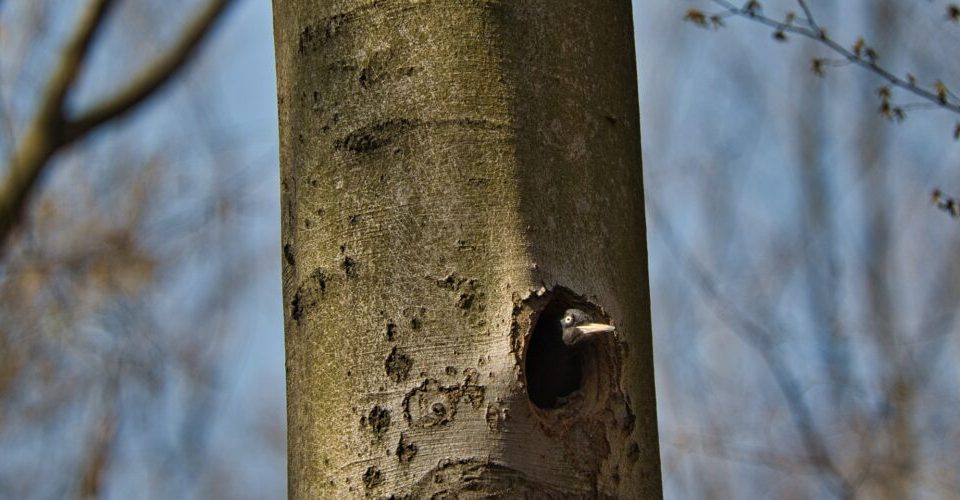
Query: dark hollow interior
point(553, 370)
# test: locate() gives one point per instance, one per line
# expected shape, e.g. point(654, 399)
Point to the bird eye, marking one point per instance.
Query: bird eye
point(568, 319)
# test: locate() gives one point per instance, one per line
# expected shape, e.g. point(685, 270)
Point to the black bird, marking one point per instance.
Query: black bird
point(554, 357)
point(577, 327)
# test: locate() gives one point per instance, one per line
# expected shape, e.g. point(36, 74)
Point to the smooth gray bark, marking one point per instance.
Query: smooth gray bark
point(446, 167)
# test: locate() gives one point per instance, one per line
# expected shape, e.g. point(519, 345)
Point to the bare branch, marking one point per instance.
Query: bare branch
point(861, 55)
point(43, 135)
point(154, 77)
point(808, 14)
point(74, 55)
point(51, 130)
point(97, 460)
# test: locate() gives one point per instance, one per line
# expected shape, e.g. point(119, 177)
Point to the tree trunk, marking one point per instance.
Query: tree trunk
point(455, 175)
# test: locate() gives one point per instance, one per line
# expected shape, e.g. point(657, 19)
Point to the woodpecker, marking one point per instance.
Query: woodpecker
point(577, 327)
point(554, 371)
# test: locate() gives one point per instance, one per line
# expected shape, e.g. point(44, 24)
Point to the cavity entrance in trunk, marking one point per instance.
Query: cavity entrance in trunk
point(558, 375)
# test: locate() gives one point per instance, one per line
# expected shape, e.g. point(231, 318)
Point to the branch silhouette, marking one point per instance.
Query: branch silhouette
point(52, 129)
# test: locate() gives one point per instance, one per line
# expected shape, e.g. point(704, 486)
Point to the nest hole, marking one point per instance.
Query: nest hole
point(558, 375)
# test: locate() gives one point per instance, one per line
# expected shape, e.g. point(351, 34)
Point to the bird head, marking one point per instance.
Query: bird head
point(578, 327)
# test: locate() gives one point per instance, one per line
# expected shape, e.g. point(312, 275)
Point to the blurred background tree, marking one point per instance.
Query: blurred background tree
point(805, 292)
point(804, 289)
point(124, 362)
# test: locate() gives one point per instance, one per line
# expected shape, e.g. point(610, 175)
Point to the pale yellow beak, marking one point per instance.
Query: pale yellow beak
point(594, 328)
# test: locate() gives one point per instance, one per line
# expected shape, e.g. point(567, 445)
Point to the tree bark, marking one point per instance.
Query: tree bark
point(454, 175)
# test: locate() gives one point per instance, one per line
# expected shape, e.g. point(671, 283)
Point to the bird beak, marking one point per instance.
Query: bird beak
point(595, 328)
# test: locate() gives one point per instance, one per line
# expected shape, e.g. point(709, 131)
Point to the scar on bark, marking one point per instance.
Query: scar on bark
point(372, 478)
point(398, 365)
point(378, 420)
point(406, 450)
point(309, 293)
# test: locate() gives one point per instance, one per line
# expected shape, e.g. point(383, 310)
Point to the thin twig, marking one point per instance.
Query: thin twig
point(808, 14)
point(814, 32)
point(74, 55)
